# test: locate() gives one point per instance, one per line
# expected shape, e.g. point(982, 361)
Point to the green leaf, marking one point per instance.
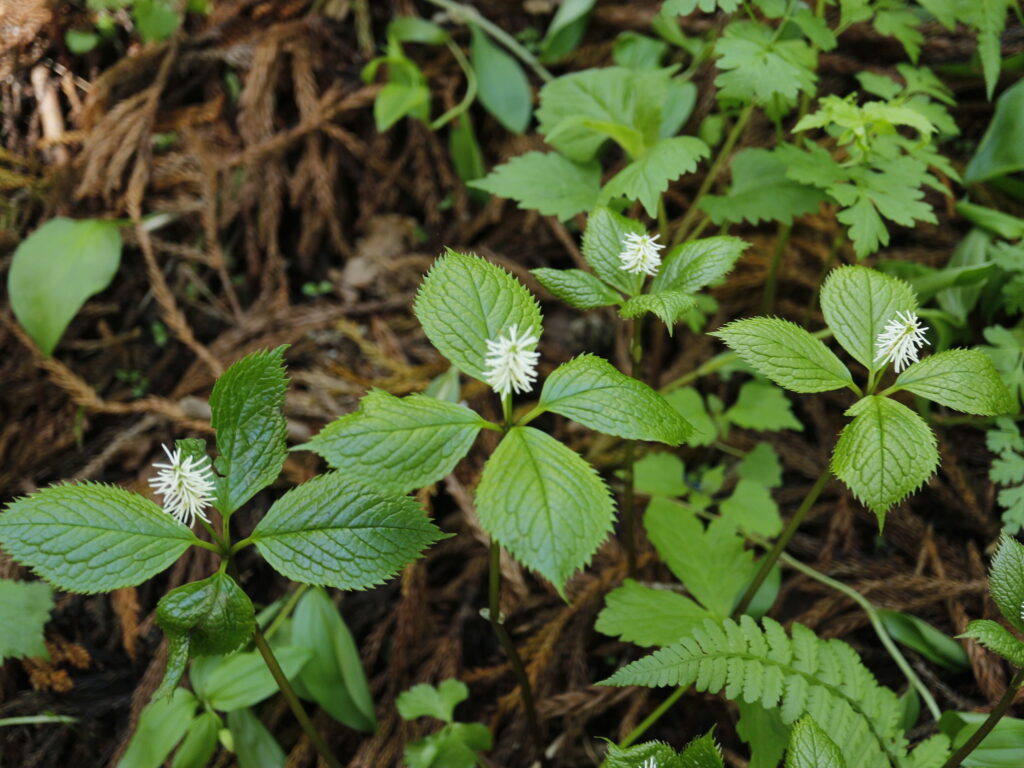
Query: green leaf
point(660, 474)
point(246, 402)
point(401, 443)
point(413, 29)
point(765, 732)
point(884, 454)
point(162, 724)
point(56, 269)
point(756, 66)
point(988, 17)
point(467, 157)
point(465, 301)
point(964, 379)
point(999, 749)
point(761, 191)
point(397, 100)
point(334, 676)
point(763, 406)
point(425, 700)
point(576, 288)
point(333, 531)
point(242, 679)
point(810, 747)
point(669, 306)
point(1006, 581)
point(546, 182)
point(702, 752)
point(654, 753)
point(454, 746)
point(503, 88)
point(635, 51)
point(591, 391)
point(646, 616)
point(918, 635)
point(90, 537)
point(648, 176)
point(698, 263)
point(752, 508)
point(688, 403)
point(997, 639)
point(566, 29)
point(858, 303)
point(155, 19)
point(81, 41)
point(214, 614)
point(255, 746)
point(786, 354)
point(762, 466)
point(24, 610)
point(1001, 151)
point(544, 503)
point(602, 243)
point(686, 7)
point(200, 742)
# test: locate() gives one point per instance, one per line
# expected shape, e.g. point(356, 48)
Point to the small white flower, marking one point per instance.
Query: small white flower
point(512, 362)
point(186, 485)
point(640, 254)
point(901, 340)
point(650, 762)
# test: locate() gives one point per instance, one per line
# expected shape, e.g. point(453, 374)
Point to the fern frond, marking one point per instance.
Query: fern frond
point(803, 674)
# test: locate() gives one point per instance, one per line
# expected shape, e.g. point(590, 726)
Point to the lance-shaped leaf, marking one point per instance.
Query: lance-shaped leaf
point(649, 175)
point(398, 443)
point(884, 454)
point(90, 537)
point(997, 639)
point(603, 241)
point(858, 303)
point(590, 390)
point(246, 403)
point(785, 353)
point(669, 306)
point(810, 747)
point(577, 288)
point(334, 531)
point(698, 263)
point(964, 379)
point(465, 301)
point(544, 503)
point(1006, 581)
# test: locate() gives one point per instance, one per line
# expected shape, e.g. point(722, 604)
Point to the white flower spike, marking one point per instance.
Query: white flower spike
point(186, 485)
point(901, 341)
point(512, 362)
point(640, 254)
point(650, 762)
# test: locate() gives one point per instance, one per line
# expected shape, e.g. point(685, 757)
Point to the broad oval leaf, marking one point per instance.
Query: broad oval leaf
point(592, 391)
point(810, 747)
point(56, 269)
point(90, 537)
point(465, 301)
point(964, 379)
point(503, 88)
point(698, 263)
point(884, 454)
point(577, 288)
point(603, 241)
point(334, 531)
point(1006, 581)
point(544, 503)
point(401, 443)
point(214, 614)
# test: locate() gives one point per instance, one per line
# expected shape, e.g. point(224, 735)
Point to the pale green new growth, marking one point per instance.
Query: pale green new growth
point(964, 379)
point(24, 610)
point(669, 306)
point(334, 531)
point(785, 353)
point(465, 301)
point(811, 747)
point(398, 444)
point(884, 454)
point(576, 288)
point(592, 391)
point(544, 504)
point(428, 701)
point(90, 537)
point(698, 263)
point(647, 177)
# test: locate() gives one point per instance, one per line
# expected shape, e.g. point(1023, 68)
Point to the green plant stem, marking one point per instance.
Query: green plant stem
point(781, 240)
point(293, 701)
point(470, 15)
point(769, 560)
point(716, 167)
point(286, 610)
point(629, 471)
point(652, 718)
point(467, 100)
point(37, 720)
point(221, 546)
point(498, 625)
point(990, 722)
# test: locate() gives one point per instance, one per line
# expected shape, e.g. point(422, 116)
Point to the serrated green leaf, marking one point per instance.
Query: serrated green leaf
point(577, 288)
point(544, 503)
point(401, 443)
point(90, 537)
point(648, 176)
point(200, 742)
point(162, 724)
point(603, 241)
point(810, 747)
point(1006, 581)
point(688, 403)
point(333, 531)
point(651, 753)
point(503, 88)
point(752, 508)
point(762, 466)
point(997, 639)
point(669, 306)
point(465, 301)
point(246, 404)
point(546, 182)
point(763, 406)
point(56, 269)
point(756, 66)
point(425, 700)
point(884, 454)
point(254, 745)
point(964, 379)
point(702, 752)
point(214, 614)
point(698, 263)
point(858, 303)
point(590, 390)
point(334, 676)
point(647, 616)
point(243, 679)
point(761, 191)
point(786, 354)
point(660, 474)
point(24, 610)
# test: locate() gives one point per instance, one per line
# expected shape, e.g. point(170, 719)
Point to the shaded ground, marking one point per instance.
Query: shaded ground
point(287, 183)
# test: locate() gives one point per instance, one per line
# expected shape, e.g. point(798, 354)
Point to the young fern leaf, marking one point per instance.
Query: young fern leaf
point(803, 674)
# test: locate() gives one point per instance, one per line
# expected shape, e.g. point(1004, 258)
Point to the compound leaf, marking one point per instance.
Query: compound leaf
point(546, 182)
